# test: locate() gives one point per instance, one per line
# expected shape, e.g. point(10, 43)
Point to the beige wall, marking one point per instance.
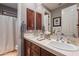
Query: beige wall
point(37, 7)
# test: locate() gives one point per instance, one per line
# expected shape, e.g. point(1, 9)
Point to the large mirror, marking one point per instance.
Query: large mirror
point(67, 23)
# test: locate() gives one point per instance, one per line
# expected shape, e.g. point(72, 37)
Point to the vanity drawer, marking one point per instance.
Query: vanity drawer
point(35, 48)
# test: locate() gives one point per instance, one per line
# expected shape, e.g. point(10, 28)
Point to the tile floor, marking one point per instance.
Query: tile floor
point(12, 53)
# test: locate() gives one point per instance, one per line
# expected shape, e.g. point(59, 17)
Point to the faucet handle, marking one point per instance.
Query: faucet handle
point(62, 39)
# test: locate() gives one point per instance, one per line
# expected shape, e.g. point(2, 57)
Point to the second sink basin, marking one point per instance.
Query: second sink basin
point(63, 46)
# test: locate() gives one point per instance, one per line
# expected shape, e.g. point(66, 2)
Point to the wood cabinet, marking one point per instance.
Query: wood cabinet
point(33, 53)
point(27, 48)
point(30, 19)
point(46, 53)
point(35, 50)
point(32, 49)
point(38, 21)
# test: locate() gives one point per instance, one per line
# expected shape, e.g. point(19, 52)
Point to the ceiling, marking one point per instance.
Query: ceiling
point(52, 6)
point(12, 5)
point(49, 6)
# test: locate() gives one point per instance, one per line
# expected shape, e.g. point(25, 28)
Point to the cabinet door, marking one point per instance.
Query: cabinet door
point(27, 48)
point(46, 53)
point(35, 50)
point(28, 51)
point(38, 21)
point(30, 19)
point(34, 53)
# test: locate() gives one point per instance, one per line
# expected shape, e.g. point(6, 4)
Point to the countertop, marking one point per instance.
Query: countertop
point(44, 44)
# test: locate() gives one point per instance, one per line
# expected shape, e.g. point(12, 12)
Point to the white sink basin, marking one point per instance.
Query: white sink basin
point(63, 46)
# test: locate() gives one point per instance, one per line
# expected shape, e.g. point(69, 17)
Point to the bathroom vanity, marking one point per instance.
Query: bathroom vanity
point(34, 47)
point(54, 46)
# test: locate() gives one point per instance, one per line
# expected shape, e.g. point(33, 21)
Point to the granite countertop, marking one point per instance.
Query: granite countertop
point(44, 44)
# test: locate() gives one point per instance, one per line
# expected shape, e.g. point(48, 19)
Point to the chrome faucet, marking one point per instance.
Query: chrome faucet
point(60, 37)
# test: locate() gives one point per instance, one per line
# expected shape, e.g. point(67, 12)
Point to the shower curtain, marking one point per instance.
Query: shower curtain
point(7, 34)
